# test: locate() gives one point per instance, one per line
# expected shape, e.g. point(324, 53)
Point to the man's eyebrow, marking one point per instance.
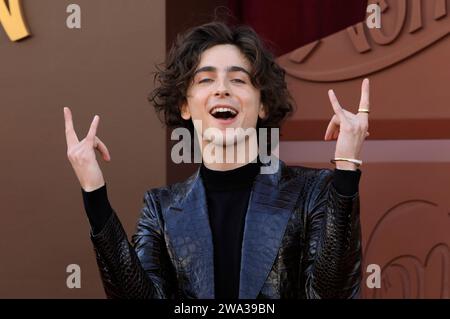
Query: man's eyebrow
point(237, 69)
point(205, 69)
point(233, 68)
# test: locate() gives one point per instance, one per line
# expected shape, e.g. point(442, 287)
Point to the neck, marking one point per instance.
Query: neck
point(229, 157)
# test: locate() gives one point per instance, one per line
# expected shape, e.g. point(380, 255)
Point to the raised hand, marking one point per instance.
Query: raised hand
point(81, 154)
point(348, 128)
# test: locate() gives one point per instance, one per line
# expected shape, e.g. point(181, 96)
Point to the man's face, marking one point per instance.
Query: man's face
point(221, 95)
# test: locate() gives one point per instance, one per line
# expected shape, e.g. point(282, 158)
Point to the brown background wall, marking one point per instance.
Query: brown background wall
point(104, 68)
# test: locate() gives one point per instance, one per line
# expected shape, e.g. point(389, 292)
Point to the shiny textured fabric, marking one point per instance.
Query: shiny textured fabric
point(301, 240)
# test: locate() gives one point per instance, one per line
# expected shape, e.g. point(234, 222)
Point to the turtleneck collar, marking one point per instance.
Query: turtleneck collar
point(241, 177)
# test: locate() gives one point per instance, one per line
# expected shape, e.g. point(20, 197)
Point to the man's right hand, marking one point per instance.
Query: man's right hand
point(81, 154)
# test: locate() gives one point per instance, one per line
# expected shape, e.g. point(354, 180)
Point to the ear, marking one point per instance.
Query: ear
point(262, 111)
point(185, 112)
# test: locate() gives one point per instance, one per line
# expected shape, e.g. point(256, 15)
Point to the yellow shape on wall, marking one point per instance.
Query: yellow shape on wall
point(12, 20)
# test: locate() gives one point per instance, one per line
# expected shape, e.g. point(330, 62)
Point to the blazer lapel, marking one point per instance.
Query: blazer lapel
point(191, 238)
point(270, 207)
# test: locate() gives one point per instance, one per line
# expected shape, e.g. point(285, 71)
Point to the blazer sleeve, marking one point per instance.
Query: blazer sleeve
point(140, 269)
point(332, 262)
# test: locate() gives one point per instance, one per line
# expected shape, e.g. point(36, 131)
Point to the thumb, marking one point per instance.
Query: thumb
point(101, 147)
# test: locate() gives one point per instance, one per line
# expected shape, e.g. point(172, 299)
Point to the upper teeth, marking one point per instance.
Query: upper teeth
point(223, 109)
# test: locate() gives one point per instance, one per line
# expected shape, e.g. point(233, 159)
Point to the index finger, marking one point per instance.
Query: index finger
point(335, 104)
point(365, 95)
point(71, 136)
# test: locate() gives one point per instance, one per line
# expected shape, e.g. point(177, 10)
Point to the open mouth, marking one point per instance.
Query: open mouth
point(223, 112)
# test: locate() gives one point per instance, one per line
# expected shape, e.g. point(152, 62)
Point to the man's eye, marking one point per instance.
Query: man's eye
point(238, 80)
point(204, 80)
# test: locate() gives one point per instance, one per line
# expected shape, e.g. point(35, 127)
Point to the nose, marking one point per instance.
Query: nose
point(221, 93)
point(222, 90)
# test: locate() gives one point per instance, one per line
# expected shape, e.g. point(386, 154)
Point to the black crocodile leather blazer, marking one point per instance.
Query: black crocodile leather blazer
point(301, 240)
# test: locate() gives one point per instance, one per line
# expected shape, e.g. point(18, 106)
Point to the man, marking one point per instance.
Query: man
point(231, 231)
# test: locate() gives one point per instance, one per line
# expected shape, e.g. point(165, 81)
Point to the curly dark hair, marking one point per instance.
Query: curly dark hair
point(184, 57)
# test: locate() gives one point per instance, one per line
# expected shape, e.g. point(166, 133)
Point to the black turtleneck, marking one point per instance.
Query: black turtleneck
point(227, 193)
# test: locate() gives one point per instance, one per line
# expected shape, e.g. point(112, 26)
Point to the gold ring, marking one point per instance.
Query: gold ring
point(364, 111)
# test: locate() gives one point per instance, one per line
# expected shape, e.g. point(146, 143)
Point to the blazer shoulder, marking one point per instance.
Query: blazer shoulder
point(165, 196)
